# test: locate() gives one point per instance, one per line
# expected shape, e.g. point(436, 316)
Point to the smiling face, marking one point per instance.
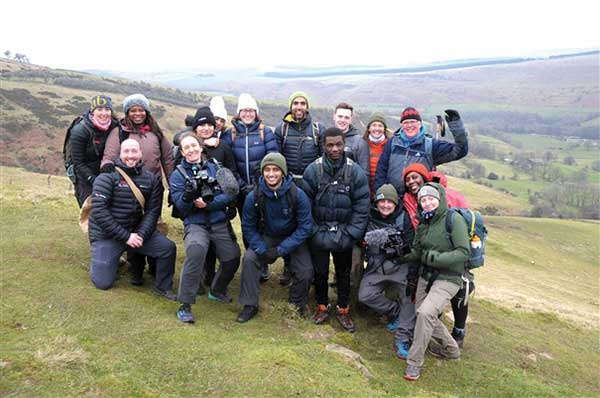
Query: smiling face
point(342, 118)
point(429, 203)
point(413, 182)
point(205, 130)
point(220, 122)
point(273, 176)
point(247, 115)
point(385, 207)
point(130, 154)
point(411, 127)
point(102, 114)
point(137, 114)
point(299, 108)
point(376, 129)
point(191, 149)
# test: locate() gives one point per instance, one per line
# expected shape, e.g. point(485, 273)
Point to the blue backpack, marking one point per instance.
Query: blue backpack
point(477, 234)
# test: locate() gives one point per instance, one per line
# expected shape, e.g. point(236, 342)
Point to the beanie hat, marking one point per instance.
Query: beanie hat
point(296, 95)
point(217, 107)
point(276, 159)
point(417, 168)
point(410, 113)
point(387, 191)
point(428, 190)
point(100, 101)
point(136, 100)
point(203, 116)
point(245, 101)
point(377, 117)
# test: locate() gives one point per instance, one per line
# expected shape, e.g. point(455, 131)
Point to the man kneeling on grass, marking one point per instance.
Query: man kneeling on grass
point(122, 219)
point(276, 222)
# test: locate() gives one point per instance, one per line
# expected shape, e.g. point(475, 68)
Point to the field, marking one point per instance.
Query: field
point(533, 330)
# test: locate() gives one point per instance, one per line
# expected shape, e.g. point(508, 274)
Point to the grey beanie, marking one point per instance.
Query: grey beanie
point(136, 100)
point(387, 191)
point(276, 159)
point(428, 190)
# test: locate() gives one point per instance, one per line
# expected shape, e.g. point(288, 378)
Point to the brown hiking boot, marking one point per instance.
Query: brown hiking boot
point(343, 317)
point(321, 314)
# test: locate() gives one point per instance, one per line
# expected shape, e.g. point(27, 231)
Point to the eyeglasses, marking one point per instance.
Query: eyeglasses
point(247, 110)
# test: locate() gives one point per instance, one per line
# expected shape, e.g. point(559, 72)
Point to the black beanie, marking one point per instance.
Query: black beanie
point(203, 116)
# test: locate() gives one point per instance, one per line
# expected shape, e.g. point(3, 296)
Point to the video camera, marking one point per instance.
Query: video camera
point(201, 186)
point(395, 245)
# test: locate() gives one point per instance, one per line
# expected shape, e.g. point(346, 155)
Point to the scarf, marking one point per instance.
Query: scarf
point(376, 140)
point(428, 214)
point(406, 142)
point(102, 126)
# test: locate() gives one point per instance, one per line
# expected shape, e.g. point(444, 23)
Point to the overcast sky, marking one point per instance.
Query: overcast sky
point(173, 34)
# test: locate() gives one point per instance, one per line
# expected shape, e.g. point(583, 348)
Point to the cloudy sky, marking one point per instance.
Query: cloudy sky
point(162, 35)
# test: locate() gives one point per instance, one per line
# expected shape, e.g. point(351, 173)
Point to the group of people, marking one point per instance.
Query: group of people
point(303, 192)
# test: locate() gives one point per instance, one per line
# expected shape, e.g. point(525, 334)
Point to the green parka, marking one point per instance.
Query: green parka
point(433, 249)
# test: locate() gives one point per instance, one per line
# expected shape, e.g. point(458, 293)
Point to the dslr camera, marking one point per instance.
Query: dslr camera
point(395, 245)
point(201, 186)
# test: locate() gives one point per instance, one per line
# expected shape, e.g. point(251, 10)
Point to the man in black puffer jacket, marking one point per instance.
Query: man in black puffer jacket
point(339, 190)
point(119, 222)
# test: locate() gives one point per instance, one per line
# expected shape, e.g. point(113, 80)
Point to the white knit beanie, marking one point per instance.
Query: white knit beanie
point(245, 101)
point(217, 106)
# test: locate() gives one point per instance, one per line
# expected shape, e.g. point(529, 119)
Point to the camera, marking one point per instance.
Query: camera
point(395, 245)
point(201, 186)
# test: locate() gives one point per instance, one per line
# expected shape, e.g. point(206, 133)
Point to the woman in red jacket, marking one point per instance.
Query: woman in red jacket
point(376, 136)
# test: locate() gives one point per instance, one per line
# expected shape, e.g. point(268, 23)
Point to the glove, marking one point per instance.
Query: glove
point(269, 256)
point(429, 257)
point(108, 168)
point(454, 122)
point(190, 192)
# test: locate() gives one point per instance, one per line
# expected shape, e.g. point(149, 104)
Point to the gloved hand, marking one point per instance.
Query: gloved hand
point(429, 257)
point(190, 192)
point(108, 168)
point(269, 256)
point(454, 122)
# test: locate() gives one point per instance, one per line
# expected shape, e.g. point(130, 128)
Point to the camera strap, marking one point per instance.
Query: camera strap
point(136, 191)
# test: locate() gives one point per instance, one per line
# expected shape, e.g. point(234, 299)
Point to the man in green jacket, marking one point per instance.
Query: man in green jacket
point(441, 276)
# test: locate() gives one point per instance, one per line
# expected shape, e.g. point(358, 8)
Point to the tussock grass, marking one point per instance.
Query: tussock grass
point(61, 337)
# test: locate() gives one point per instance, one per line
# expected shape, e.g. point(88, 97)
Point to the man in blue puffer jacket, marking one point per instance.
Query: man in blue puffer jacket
point(276, 223)
point(412, 144)
point(205, 221)
point(119, 222)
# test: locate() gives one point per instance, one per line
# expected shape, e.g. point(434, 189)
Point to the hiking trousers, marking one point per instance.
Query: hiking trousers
point(372, 294)
point(429, 307)
point(300, 268)
point(197, 239)
point(105, 260)
point(342, 262)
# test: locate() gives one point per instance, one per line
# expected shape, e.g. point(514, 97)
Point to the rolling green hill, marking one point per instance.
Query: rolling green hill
point(533, 327)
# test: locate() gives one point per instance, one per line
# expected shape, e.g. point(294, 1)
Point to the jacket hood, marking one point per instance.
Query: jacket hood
point(352, 131)
point(439, 177)
point(281, 191)
point(409, 141)
point(289, 118)
point(442, 208)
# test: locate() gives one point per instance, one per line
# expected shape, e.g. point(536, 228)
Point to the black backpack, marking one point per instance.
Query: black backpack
point(67, 155)
point(259, 205)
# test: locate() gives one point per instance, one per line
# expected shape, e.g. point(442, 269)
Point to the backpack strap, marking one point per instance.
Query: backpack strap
point(449, 217)
point(233, 131)
point(429, 150)
point(284, 132)
point(292, 196)
point(261, 130)
point(134, 188)
point(315, 133)
point(259, 209)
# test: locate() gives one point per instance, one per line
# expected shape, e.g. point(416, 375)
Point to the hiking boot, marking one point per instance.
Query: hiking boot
point(285, 278)
point(221, 297)
point(168, 294)
point(303, 311)
point(343, 317)
point(184, 314)
point(459, 336)
point(412, 373)
point(393, 325)
point(322, 314)
point(247, 313)
point(440, 352)
point(264, 273)
point(401, 349)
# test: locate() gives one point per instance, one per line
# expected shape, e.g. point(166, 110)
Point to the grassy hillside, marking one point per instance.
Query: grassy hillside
point(533, 327)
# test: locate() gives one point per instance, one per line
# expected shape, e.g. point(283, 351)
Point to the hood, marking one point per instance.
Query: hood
point(438, 176)
point(289, 118)
point(441, 210)
point(352, 131)
point(269, 193)
point(406, 141)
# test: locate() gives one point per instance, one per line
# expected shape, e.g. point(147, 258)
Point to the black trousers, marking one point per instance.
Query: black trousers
point(342, 262)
